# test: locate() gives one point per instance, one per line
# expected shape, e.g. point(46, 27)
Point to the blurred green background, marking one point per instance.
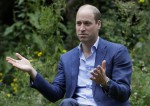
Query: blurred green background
point(42, 30)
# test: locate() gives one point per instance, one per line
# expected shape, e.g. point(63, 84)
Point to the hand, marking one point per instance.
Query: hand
point(99, 75)
point(22, 64)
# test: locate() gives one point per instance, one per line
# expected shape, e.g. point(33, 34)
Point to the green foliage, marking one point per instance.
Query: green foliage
point(36, 35)
point(140, 85)
point(125, 23)
point(141, 74)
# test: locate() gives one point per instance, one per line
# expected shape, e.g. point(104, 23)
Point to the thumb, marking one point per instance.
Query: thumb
point(104, 64)
point(19, 56)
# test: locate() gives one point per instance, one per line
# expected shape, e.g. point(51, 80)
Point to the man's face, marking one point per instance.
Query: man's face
point(87, 28)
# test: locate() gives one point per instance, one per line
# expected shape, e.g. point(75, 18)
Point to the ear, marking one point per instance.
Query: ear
point(99, 24)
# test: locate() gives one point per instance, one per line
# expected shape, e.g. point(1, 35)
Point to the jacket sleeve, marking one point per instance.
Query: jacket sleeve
point(119, 86)
point(52, 91)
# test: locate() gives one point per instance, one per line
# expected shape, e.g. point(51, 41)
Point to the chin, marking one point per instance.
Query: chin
point(83, 41)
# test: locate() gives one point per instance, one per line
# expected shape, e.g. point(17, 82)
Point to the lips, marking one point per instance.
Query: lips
point(82, 35)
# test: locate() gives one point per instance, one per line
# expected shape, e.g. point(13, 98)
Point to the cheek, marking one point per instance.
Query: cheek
point(93, 29)
point(77, 29)
point(90, 30)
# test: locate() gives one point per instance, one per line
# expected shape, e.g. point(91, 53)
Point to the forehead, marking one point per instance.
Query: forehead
point(85, 14)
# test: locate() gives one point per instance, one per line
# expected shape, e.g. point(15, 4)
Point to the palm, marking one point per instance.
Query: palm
point(22, 64)
point(99, 75)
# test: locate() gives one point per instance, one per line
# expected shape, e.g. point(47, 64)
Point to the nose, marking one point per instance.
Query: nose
point(82, 27)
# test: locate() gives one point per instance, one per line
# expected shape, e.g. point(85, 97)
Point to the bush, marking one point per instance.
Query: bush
point(35, 34)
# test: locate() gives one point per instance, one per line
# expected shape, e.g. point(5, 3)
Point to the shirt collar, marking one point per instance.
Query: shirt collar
point(94, 46)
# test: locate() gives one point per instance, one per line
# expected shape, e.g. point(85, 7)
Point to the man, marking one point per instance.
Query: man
point(95, 73)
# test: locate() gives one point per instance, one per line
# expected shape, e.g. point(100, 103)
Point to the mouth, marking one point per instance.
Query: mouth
point(82, 35)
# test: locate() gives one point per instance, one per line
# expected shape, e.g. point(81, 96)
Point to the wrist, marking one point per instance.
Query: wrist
point(32, 73)
point(106, 84)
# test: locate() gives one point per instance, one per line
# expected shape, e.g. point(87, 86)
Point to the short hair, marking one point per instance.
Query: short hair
point(95, 10)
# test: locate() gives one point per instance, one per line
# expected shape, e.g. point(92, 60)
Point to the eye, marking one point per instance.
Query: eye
point(78, 23)
point(87, 23)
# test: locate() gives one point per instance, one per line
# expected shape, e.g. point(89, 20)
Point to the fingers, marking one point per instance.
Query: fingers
point(97, 72)
point(93, 78)
point(102, 69)
point(9, 59)
point(94, 72)
point(99, 75)
point(12, 60)
point(19, 56)
point(104, 64)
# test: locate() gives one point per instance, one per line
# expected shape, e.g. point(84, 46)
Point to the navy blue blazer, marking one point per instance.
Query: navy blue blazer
point(118, 69)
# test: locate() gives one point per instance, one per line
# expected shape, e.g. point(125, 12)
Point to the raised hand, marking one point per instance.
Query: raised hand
point(22, 64)
point(99, 75)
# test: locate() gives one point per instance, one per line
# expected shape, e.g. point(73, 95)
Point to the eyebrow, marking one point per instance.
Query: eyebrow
point(84, 22)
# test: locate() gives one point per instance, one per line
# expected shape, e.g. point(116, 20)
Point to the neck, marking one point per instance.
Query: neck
point(86, 48)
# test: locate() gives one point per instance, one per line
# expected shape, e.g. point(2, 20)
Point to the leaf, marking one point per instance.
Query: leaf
point(8, 30)
point(20, 2)
point(33, 18)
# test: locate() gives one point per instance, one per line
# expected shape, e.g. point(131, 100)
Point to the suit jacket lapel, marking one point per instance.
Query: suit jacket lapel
point(101, 52)
point(100, 56)
point(74, 70)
